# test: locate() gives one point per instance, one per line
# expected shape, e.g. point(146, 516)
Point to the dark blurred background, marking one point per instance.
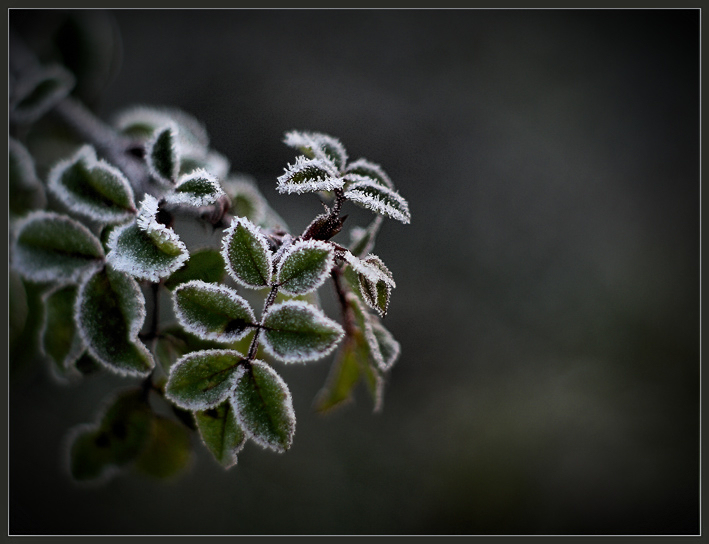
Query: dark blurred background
point(547, 299)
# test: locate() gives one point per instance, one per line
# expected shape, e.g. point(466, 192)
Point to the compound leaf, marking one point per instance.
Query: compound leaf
point(294, 331)
point(198, 188)
point(168, 450)
point(264, 408)
point(162, 154)
point(247, 254)
point(206, 265)
point(110, 311)
point(380, 199)
point(92, 188)
point(213, 312)
point(304, 266)
point(53, 247)
point(203, 379)
point(221, 433)
point(309, 175)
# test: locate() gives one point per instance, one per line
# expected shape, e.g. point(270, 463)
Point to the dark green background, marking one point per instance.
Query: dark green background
point(547, 298)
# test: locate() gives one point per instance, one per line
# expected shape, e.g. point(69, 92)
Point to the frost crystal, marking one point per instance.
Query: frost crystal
point(368, 169)
point(379, 199)
point(371, 267)
point(198, 188)
point(318, 145)
point(309, 175)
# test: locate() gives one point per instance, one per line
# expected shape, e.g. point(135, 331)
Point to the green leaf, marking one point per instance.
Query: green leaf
point(174, 342)
point(206, 159)
point(362, 239)
point(264, 408)
point(92, 188)
point(26, 192)
point(246, 200)
point(318, 145)
point(221, 433)
point(344, 375)
point(247, 254)
point(304, 266)
point(163, 155)
point(60, 339)
point(53, 247)
point(198, 188)
point(141, 122)
point(213, 312)
point(387, 349)
point(370, 170)
point(294, 331)
point(206, 265)
point(39, 92)
point(110, 311)
point(203, 379)
point(309, 175)
point(168, 450)
point(379, 199)
point(376, 294)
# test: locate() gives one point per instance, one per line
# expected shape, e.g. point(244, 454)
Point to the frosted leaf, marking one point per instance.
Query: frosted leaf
point(362, 240)
point(309, 175)
point(59, 338)
point(26, 191)
point(213, 312)
point(246, 200)
point(198, 188)
point(387, 348)
point(203, 379)
point(168, 450)
point(39, 92)
point(132, 250)
point(211, 161)
point(297, 332)
point(247, 254)
point(368, 169)
point(371, 267)
point(162, 154)
point(264, 408)
point(304, 266)
point(110, 311)
point(204, 264)
point(376, 294)
point(221, 433)
point(53, 247)
point(92, 188)
point(379, 199)
point(318, 145)
point(141, 122)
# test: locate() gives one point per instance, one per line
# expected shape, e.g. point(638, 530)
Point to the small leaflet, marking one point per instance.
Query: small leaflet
point(198, 188)
point(162, 154)
point(92, 188)
point(387, 348)
point(167, 452)
point(52, 247)
point(38, 93)
point(370, 170)
point(221, 433)
point(203, 379)
point(26, 192)
point(146, 249)
point(344, 374)
point(318, 145)
point(379, 199)
point(141, 122)
point(296, 332)
point(247, 254)
point(376, 294)
point(304, 266)
point(264, 408)
point(246, 200)
point(309, 175)
point(110, 311)
point(213, 312)
point(211, 161)
point(371, 267)
point(59, 338)
point(362, 239)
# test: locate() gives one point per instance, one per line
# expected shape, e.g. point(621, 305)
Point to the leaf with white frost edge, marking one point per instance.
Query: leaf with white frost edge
point(25, 191)
point(297, 332)
point(368, 169)
point(162, 154)
point(140, 122)
point(203, 379)
point(36, 94)
point(146, 249)
point(221, 433)
point(304, 266)
point(264, 408)
point(370, 268)
point(376, 294)
point(198, 188)
point(59, 338)
point(309, 175)
point(206, 264)
point(246, 200)
point(213, 312)
point(110, 311)
point(247, 254)
point(318, 145)
point(92, 188)
point(53, 247)
point(362, 239)
point(379, 199)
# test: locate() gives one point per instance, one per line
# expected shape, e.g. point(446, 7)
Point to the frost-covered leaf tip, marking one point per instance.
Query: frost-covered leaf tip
point(247, 254)
point(380, 199)
point(163, 155)
point(198, 188)
point(370, 170)
point(318, 145)
point(221, 433)
point(309, 175)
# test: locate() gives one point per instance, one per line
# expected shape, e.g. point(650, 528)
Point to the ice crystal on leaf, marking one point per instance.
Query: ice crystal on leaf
point(264, 408)
point(92, 188)
point(379, 199)
point(247, 254)
point(309, 175)
point(304, 266)
point(318, 145)
point(368, 170)
point(198, 188)
point(163, 155)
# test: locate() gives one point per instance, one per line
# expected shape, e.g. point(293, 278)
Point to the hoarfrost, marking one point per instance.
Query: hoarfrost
point(247, 255)
point(379, 199)
point(309, 175)
point(370, 268)
point(318, 145)
point(163, 154)
point(368, 169)
point(304, 266)
point(143, 120)
point(198, 188)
